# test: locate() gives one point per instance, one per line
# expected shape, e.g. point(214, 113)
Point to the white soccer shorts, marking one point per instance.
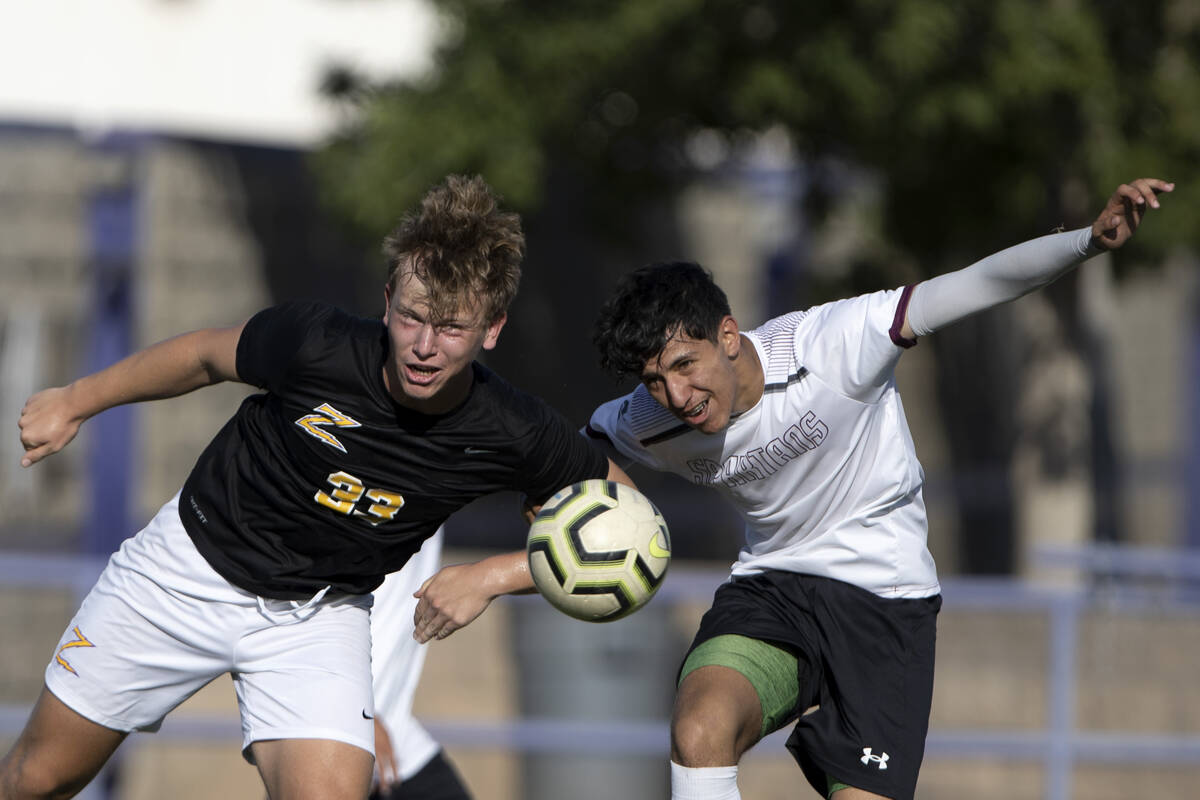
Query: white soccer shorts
point(160, 623)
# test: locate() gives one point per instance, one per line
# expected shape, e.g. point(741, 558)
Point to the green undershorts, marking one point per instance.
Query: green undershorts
point(771, 671)
point(835, 786)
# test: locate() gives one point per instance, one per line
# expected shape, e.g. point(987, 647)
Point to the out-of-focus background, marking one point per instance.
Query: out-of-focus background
point(173, 164)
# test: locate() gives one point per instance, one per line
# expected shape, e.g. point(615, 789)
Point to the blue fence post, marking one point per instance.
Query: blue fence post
point(1192, 403)
point(1064, 639)
point(113, 243)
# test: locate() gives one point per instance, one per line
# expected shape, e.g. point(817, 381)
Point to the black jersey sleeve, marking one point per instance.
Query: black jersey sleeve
point(272, 340)
point(561, 457)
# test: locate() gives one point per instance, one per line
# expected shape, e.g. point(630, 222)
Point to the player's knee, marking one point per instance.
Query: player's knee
point(703, 737)
point(34, 779)
point(692, 742)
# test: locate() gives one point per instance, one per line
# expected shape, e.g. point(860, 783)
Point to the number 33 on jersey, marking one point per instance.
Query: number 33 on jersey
point(378, 505)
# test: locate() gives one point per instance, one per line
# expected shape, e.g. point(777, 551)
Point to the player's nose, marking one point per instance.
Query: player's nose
point(426, 342)
point(678, 394)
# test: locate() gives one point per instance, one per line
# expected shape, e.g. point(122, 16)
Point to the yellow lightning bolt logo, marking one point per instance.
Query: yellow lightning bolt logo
point(327, 415)
point(80, 641)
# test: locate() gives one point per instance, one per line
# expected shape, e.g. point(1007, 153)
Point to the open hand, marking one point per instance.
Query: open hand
point(1124, 211)
point(452, 598)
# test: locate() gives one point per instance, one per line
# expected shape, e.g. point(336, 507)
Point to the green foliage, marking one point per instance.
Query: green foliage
point(988, 119)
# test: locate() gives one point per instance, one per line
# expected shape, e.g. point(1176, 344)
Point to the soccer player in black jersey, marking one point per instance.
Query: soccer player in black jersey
point(365, 438)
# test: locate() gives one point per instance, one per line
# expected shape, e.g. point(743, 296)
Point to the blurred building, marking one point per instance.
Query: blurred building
point(153, 180)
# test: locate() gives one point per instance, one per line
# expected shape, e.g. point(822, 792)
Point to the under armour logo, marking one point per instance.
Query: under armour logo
point(868, 757)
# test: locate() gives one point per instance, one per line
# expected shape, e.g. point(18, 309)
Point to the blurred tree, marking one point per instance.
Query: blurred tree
point(987, 121)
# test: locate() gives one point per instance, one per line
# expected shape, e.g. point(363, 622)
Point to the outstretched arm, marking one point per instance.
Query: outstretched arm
point(1019, 270)
point(457, 594)
point(51, 418)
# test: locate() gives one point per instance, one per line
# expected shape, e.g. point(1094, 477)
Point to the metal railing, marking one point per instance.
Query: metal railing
point(1059, 747)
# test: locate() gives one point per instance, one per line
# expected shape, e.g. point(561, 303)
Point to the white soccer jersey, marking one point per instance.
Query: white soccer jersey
point(822, 468)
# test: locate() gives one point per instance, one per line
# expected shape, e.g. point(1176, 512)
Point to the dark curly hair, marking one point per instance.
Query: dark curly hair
point(462, 246)
point(652, 304)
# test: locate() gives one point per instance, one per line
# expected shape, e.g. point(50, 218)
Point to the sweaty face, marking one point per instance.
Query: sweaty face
point(700, 381)
point(429, 366)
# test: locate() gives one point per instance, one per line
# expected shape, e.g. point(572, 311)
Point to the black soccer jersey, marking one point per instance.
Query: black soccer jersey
point(323, 480)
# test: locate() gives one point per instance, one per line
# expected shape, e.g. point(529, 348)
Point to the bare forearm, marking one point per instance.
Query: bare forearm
point(51, 418)
point(167, 369)
point(507, 573)
point(458, 594)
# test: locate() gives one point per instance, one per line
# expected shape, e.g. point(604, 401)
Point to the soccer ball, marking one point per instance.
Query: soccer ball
point(598, 550)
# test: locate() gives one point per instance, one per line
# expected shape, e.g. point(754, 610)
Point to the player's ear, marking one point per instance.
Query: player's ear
point(387, 300)
point(493, 332)
point(728, 337)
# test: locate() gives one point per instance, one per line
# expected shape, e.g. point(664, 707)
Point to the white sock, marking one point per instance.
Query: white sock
point(704, 783)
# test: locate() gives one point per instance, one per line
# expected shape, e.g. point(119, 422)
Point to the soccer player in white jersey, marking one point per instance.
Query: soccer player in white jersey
point(829, 616)
point(409, 762)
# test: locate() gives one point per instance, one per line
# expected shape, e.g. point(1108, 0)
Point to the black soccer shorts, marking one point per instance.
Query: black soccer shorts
point(865, 662)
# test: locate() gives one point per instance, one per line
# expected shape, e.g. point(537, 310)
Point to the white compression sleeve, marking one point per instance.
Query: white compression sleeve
point(996, 279)
point(704, 783)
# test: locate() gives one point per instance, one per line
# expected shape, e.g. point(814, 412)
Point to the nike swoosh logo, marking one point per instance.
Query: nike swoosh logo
point(656, 550)
point(478, 451)
point(366, 715)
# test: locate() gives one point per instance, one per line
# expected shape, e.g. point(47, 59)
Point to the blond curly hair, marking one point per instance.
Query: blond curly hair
point(462, 246)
